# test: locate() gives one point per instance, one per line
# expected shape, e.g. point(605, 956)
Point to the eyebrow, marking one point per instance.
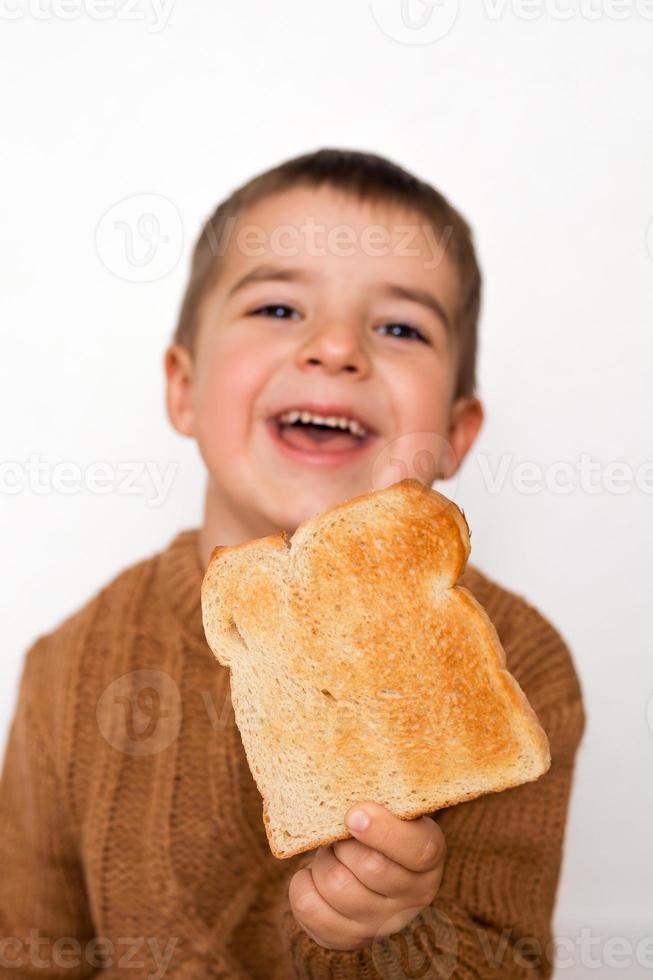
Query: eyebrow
point(269, 273)
point(273, 273)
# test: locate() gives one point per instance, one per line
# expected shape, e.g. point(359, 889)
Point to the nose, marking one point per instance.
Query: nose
point(337, 347)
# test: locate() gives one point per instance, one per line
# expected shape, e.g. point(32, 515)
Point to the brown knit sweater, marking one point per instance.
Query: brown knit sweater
point(131, 835)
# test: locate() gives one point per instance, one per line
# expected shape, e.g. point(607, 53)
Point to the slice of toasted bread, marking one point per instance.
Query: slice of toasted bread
point(359, 670)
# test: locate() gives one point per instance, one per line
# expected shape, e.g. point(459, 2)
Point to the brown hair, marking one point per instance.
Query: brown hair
point(369, 178)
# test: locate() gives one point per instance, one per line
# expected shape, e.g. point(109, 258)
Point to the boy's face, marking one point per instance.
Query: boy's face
point(322, 302)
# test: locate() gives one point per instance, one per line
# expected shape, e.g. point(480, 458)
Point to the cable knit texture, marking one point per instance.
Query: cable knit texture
point(131, 836)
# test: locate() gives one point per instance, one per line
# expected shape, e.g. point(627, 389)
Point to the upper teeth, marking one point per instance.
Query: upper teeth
point(337, 422)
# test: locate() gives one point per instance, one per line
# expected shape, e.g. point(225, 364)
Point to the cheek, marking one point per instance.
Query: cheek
point(420, 391)
point(420, 447)
point(227, 393)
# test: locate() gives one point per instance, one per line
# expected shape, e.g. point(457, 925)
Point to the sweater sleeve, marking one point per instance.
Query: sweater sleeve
point(45, 922)
point(492, 915)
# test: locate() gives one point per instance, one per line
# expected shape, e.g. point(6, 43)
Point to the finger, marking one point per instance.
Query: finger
point(326, 926)
point(414, 844)
point(377, 872)
point(344, 892)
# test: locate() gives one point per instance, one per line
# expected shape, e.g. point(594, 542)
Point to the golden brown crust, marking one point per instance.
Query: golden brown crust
point(513, 691)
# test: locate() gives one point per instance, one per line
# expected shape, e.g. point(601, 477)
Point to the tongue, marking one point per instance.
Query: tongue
point(315, 438)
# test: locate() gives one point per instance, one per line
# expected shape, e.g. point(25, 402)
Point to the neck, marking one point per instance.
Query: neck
point(224, 523)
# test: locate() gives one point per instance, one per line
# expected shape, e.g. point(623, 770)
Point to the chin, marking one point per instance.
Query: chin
point(295, 506)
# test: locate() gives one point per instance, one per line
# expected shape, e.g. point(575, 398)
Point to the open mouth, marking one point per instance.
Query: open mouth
point(326, 439)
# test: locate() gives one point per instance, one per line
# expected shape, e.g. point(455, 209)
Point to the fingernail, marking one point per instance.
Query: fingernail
point(358, 820)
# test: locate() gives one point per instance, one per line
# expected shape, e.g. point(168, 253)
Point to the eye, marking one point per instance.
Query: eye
point(279, 311)
point(395, 327)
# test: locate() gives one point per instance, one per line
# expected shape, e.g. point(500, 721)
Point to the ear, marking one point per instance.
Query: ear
point(180, 377)
point(466, 419)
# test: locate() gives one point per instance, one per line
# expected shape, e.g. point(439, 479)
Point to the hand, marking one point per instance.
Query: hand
point(357, 890)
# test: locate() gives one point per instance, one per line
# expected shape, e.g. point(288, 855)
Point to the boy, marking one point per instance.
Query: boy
point(325, 347)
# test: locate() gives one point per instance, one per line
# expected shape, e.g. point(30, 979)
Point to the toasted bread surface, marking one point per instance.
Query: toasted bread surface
point(361, 670)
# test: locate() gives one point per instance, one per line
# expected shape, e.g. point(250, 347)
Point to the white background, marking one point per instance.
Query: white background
point(537, 123)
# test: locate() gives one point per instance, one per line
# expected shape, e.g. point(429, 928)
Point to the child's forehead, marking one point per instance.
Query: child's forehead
point(333, 232)
point(333, 206)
